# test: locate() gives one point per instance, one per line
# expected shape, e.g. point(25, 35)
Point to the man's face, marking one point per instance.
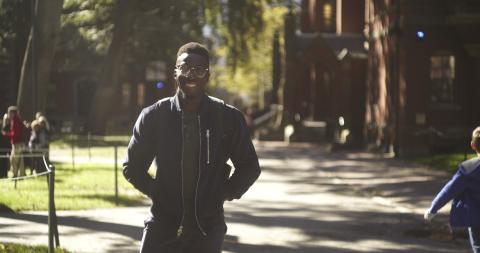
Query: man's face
point(191, 74)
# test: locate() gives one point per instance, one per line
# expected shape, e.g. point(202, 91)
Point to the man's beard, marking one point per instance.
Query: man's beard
point(185, 96)
point(188, 95)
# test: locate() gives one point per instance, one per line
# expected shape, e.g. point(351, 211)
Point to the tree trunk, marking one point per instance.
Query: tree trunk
point(104, 100)
point(35, 74)
point(24, 95)
point(380, 101)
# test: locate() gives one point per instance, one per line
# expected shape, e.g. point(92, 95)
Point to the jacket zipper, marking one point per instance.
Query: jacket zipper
point(208, 146)
point(180, 228)
point(199, 174)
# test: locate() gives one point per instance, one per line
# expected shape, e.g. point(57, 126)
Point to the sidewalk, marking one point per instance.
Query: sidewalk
point(91, 231)
point(306, 200)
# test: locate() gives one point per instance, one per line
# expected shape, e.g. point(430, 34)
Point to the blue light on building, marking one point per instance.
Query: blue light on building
point(420, 35)
point(160, 85)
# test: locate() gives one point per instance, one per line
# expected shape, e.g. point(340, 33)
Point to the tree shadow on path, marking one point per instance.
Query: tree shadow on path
point(134, 232)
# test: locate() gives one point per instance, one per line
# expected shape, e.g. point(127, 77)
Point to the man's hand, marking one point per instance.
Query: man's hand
point(428, 216)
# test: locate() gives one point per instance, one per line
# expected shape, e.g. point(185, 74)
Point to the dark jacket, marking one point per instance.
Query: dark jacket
point(464, 189)
point(5, 145)
point(158, 134)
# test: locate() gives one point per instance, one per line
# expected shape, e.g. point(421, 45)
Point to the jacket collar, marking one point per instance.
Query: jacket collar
point(471, 165)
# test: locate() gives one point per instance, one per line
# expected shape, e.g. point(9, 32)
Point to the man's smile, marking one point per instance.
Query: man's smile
point(191, 85)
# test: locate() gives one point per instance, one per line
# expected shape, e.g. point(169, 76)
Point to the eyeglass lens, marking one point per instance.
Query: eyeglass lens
point(198, 72)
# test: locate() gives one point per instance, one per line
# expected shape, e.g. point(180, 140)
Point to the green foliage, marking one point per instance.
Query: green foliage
point(19, 248)
point(86, 31)
point(241, 36)
point(12, 13)
point(445, 162)
point(161, 27)
point(93, 20)
point(238, 23)
point(256, 70)
point(86, 186)
point(14, 23)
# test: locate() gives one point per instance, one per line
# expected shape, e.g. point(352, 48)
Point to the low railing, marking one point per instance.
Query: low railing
point(272, 115)
point(88, 141)
point(52, 216)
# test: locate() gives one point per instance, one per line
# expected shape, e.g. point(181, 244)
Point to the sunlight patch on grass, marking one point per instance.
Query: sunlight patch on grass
point(18, 248)
point(85, 187)
point(445, 162)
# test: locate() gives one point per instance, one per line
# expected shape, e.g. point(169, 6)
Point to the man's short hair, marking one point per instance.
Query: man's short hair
point(476, 138)
point(194, 48)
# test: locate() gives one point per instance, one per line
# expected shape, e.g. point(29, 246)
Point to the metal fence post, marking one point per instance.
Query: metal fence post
point(52, 216)
point(116, 174)
point(51, 182)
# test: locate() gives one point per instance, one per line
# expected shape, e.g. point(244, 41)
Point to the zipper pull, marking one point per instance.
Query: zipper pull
point(179, 231)
point(208, 146)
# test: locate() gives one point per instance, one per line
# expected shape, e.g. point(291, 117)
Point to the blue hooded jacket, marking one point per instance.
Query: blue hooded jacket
point(464, 189)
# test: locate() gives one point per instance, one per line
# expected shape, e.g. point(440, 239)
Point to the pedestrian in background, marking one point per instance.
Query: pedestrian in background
point(464, 189)
point(16, 135)
point(43, 119)
point(44, 136)
point(37, 145)
point(5, 147)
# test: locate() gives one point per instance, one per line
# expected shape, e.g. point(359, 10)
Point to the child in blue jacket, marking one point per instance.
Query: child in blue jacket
point(464, 189)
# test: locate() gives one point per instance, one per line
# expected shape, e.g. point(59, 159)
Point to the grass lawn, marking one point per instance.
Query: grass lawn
point(17, 248)
point(85, 141)
point(85, 187)
point(445, 162)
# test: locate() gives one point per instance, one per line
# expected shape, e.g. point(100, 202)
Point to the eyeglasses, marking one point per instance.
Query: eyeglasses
point(196, 72)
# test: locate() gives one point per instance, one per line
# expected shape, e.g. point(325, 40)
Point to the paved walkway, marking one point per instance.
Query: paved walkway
point(305, 201)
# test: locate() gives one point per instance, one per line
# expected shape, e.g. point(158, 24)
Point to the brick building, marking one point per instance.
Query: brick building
point(326, 65)
point(399, 72)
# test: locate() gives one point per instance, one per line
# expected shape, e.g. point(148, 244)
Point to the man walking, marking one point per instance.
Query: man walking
point(191, 136)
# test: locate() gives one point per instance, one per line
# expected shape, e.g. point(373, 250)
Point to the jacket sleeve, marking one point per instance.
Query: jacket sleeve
point(452, 189)
point(244, 159)
point(140, 154)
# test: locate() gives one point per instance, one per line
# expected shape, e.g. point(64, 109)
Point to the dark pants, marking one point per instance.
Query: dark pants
point(157, 240)
point(4, 166)
point(475, 239)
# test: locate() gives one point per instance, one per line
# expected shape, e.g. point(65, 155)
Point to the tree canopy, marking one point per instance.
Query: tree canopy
point(106, 37)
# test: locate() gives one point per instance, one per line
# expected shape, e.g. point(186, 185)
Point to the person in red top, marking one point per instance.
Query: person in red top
point(5, 147)
point(16, 134)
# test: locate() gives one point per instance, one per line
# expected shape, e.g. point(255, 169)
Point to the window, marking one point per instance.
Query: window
point(328, 16)
point(442, 76)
